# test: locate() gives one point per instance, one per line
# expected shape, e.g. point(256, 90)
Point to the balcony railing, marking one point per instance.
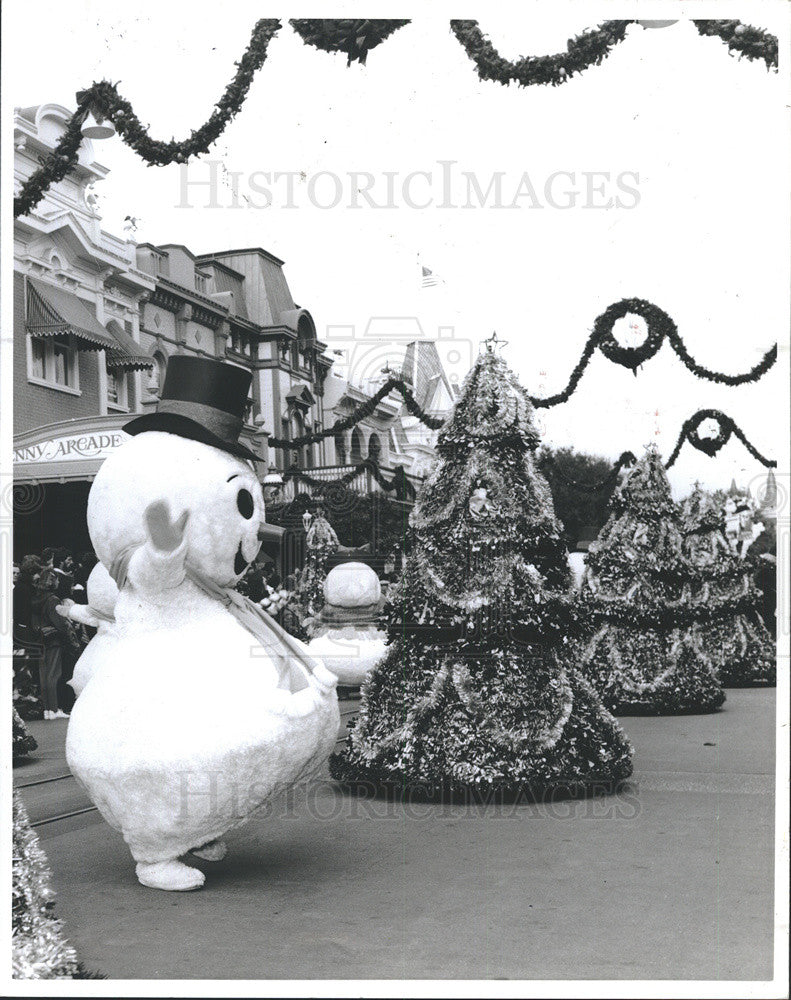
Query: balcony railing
point(364, 482)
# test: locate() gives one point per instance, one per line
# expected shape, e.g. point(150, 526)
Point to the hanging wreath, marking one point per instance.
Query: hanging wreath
point(726, 427)
point(355, 38)
point(660, 326)
point(587, 49)
point(710, 445)
point(656, 321)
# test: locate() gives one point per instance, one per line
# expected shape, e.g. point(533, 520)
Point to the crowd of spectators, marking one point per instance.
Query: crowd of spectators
point(47, 645)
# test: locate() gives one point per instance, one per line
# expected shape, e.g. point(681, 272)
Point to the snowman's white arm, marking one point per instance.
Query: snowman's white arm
point(153, 570)
point(82, 613)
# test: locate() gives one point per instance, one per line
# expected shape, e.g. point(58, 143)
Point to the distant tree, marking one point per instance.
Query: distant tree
point(578, 507)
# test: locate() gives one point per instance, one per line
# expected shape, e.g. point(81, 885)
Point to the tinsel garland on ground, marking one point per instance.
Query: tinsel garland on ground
point(660, 328)
point(725, 598)
point(103, 98)
point(476, 695)
point(22, 742)
point(354, 38)
point(711, 445)
point(643, 654)
point(38, 947)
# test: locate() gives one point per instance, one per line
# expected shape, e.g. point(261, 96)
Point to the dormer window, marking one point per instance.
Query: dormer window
point(201, 283)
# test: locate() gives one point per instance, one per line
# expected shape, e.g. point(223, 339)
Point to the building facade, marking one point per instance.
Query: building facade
point(97, 316)
point(77, 360)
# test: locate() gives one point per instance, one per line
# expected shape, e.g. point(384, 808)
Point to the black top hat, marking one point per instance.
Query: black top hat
point(203, 400)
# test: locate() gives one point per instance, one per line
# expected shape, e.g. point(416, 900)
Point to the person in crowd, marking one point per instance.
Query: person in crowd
point(54, 630)
point(271, 575)
point(63, 565)
point(254, 579)
point(82, 570)
point(24, 597)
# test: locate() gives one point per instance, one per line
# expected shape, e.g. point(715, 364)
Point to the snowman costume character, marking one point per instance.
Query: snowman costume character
point(99, 613)
point(206, 708)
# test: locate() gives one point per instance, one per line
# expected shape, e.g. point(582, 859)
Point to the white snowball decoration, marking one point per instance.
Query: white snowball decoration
point(352, 585)
point(183, 731)
point(350, 653)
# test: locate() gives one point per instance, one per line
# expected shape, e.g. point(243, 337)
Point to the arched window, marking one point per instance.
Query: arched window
point(340, 448)
point(357, 447)
point(297, 430)
point(156, 374)
point(374, 447)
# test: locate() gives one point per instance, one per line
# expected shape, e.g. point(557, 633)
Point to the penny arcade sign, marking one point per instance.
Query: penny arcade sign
point(72, 450)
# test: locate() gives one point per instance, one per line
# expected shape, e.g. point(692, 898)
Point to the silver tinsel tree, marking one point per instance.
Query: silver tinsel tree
point(643, 655)
point(477, 693)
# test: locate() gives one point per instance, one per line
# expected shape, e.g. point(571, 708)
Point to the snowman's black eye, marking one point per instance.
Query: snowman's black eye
point(244, 501)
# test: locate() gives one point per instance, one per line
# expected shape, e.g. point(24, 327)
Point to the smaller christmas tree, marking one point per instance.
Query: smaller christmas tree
point(725, 598)
point(643, 655)
point(321, 542)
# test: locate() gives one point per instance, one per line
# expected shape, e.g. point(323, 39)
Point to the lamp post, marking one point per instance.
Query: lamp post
point(271, 484)
point(96, 126)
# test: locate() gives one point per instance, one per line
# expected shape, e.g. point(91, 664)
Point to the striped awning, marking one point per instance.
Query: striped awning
point(54, 312)
point(126, 356)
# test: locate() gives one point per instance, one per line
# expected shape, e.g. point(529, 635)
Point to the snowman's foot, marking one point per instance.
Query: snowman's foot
point(215, 850)
point(170, 875)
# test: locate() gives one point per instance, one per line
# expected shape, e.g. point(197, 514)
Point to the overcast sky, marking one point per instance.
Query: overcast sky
point(706, 240)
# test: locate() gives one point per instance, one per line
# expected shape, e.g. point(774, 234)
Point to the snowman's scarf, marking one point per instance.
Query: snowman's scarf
point(290, 659)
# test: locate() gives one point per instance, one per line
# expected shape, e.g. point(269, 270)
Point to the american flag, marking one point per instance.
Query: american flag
point(429, 279)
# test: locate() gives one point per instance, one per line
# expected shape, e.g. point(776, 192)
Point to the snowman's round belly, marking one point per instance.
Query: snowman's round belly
point(200, 696)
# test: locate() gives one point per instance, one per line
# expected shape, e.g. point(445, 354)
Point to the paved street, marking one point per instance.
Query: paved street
point(670, 879)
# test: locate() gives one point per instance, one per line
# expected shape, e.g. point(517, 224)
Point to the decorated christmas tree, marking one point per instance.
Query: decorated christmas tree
point(725, 598)
point(476, 693)
point(643, 654)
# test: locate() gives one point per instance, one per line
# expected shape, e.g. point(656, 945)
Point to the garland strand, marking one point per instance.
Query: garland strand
point(755, 43)
point(354, 38)
point(103, 98)
point(361, 412)
point(585, 50)
point(367, 465)
point(625, 459)
point(592, 47)
point(710, 446)
point(660, 327)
